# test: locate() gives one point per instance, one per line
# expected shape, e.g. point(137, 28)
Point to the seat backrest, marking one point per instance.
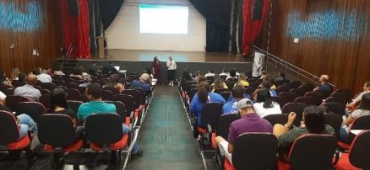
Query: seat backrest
point(223, 124)
point(121, 110)
point(8, 128)
point(210, 113)
point(127, 100)
point(73, 94)
point(309, 100)
point(112, 89)
point(255, 151)
point(297, 108)
point(289, 96)
point(74, 105)
point(346, 93)
point(362, 122)
point(56, 130)
point(104, 128)
point(107, 94)
point(276, 118)
point(45, 100)
point(359, 152)
point(33, 109)
point(312, 151)
point(335, 121)
point(48, 86)
point(135, 94)
point(335, 107)
point(338, 99)
point(12, 101)
point(294, 84)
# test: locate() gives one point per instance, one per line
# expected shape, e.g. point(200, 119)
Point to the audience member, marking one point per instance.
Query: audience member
point(202, 97)
point(25, 123)
point(15, 73)
point(97, 105)
point(224, 72)
point(249, 122)
point(232, 75)
point(93, 69)
point(42, 76)
point(21, 80)
point(29, 89)
point(76, 73)
point(209, 74)
point(358, 98)
point(109, 69)
point(324, 84)
point(281, 77)
point(218, 84)
point(4, 80)
point(143, 83)
point(263, 104)
point(242, 80)
point(362, 110)
point(114, 82)
point(312, 122)
point(58, 71)
point(237, 93)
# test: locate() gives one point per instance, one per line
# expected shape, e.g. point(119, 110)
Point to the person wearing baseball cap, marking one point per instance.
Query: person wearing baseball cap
point(249, 122)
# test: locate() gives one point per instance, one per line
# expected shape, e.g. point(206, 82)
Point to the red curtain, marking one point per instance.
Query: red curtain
point(75, 29)
point(251, 28)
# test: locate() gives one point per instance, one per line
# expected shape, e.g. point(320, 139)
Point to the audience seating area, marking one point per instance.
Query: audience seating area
point(308, 152)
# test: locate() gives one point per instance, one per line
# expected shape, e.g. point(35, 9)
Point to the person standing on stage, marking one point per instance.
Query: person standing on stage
point(156, 70)
point(171, 68)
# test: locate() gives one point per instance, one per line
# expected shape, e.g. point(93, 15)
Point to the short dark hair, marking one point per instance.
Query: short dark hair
point(36, 72)
point(238, 92)
point(94, 90)
point(263, 95)
point(314, 119)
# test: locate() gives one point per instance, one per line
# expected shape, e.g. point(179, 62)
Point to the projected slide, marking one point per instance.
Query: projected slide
point(159, 19)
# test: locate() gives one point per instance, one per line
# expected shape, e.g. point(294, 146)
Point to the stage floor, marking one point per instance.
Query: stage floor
point(179, 56)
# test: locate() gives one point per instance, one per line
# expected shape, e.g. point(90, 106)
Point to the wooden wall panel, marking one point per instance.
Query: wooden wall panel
point(333, 37)
point(38, 28)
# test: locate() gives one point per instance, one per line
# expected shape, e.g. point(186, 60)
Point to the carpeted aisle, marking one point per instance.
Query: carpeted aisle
point(165, 136)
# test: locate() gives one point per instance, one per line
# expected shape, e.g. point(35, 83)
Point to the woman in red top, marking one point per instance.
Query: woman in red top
point(156, 68)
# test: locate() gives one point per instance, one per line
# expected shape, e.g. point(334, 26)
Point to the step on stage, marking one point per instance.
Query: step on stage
point(137, 60)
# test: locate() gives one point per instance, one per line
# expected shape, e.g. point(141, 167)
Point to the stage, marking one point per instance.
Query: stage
point(137, 60)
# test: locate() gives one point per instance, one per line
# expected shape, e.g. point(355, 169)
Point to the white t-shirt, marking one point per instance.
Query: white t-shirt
point(45, 78)
point(262, 112)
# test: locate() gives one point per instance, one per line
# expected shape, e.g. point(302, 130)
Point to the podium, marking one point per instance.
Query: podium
point(101, 53)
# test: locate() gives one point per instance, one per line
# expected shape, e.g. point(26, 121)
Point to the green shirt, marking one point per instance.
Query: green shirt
point(87, 109)
point(286, 140)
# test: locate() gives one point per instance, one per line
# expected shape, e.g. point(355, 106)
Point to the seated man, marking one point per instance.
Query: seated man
point(312, 122)
point(24, 122)
point(97, 105)
point(237, 93)
point(29, 89)
point(142, 83)
point(324, 84)
point(249, 122)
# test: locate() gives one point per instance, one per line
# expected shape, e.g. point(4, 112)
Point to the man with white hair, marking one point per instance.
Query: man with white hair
point(324, 84)
point(29, 89)
point(143, 83)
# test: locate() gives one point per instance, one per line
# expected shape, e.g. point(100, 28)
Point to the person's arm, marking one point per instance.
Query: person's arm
point(281, 129)
point(230, 148)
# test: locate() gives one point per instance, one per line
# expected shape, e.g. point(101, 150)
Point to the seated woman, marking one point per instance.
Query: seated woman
point(263, 105)
point(312, 122)
point(76, 73)
point(114, 82)
point(58, 104)
point(242, 80)
point(219, 84)
point(366, 89)
point(362, 110)
point(24, 122)
point(202, 97)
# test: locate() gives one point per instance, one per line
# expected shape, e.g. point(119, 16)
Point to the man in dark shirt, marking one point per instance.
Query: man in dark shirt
point(109, 69)
point(249, 122)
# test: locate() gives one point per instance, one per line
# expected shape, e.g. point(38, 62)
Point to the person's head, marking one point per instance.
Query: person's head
point(263, 95)
point(93, 91)
point(36, 72)
point(245, 106)
point(112, 81)
point(15, 72)
point(266, 84)
point(264, 72)
point(186, 74)
point(365, 102)
point(210, 71)
point(155, 59)
point(218, 83)
point(232, 73)
point(224, 70)
point(2, 98)
point(242, 76)
point(313, 118)
point(324, 78)
point(200, 78)
point(22, 77)
point(282, 74)
point(170, 58)
point(144, 77)
point(31, 79)
point(367, 86)
point(237, 92)
point(203, 90)
point(58, 99)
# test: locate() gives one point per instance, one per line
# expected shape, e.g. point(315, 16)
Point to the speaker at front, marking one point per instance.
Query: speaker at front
point(257, 10)
point(73, 7)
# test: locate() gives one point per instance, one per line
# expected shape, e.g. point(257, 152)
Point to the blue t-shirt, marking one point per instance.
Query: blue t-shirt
point(144, 86)
point(325, 87)
point(230, 107)
point(196, 105)
point(89, 108)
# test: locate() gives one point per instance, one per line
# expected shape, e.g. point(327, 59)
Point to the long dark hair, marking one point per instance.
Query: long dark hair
point(263, 95)
point(314, 119)
point(365, 102)
point(58, 98)
point(112, 81)
point(203, 91)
